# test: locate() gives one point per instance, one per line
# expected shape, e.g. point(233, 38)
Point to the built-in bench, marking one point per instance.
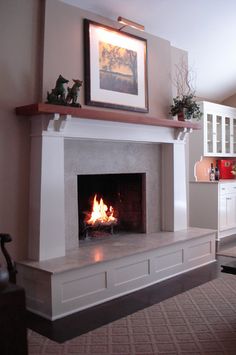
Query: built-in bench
point(100, 271)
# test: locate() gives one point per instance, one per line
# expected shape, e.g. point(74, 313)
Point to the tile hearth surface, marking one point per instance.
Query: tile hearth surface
point(116, 247)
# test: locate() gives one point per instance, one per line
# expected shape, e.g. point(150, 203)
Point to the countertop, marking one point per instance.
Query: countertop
point(223, 181)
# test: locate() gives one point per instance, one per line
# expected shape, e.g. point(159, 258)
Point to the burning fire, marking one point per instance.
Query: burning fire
point(101, 214)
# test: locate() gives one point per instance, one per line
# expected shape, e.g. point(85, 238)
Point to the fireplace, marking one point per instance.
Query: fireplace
point(61, 276)
point(111, 204)
point(65, 146)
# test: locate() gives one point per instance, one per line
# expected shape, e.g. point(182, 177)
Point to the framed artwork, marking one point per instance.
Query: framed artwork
point(115, 68)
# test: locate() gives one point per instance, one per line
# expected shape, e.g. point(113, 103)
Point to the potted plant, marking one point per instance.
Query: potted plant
point(185, 107)
point(184, 104)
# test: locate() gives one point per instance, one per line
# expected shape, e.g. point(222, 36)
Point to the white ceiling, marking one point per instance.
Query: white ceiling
point(204, 28)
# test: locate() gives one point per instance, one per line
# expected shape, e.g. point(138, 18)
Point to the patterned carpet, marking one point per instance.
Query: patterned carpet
point(199, 321)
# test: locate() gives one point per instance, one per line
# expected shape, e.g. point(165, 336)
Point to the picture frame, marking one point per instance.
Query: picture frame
point(115, 68)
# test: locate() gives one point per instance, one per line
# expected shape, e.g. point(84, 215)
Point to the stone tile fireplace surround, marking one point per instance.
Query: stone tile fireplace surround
point(61, 276)
point(106, 157)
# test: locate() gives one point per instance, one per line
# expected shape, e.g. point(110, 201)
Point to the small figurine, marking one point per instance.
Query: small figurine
point(58, 94)
point(73, 93)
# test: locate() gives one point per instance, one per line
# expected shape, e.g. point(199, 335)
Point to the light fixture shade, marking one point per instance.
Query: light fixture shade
point(129, 23)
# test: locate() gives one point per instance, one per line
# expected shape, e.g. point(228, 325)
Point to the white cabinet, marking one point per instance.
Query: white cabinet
point(219, 130)
point(227, 206)
point(216, 139)
point(213, 205)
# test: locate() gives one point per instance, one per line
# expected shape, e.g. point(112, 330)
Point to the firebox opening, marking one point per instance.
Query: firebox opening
point(111, 204)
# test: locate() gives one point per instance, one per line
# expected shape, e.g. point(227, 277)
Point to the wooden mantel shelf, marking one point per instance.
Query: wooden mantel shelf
point(117, 116)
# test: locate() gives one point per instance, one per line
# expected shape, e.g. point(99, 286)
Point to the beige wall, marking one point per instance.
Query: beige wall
point(21, 76)
point(19, 38)
point(230, 101)
point(63, 54)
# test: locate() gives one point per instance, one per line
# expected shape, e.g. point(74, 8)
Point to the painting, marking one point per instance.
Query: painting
point(115, 68)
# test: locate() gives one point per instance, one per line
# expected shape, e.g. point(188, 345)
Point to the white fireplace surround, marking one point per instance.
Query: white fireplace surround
point(59, 282)
point(47, 183)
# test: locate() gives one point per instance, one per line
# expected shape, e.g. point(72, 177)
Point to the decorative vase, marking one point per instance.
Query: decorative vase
point(4, 277)
point(184, 116)
point(181, 116)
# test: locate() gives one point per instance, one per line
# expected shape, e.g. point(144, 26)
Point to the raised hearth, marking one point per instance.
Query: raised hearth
point(98, 272)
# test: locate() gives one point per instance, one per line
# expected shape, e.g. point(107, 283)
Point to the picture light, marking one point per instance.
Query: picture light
point(129, 23)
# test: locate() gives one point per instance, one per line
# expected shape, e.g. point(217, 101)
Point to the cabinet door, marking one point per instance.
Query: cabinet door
point(214, 135)
point(227, 212)
point(229, 136)
point(209, 134)
point(230, 211)
point(222, 214)
point(219, 134)
point(233, 136)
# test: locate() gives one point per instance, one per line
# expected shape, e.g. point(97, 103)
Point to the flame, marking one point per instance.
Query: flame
point(101, 214)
